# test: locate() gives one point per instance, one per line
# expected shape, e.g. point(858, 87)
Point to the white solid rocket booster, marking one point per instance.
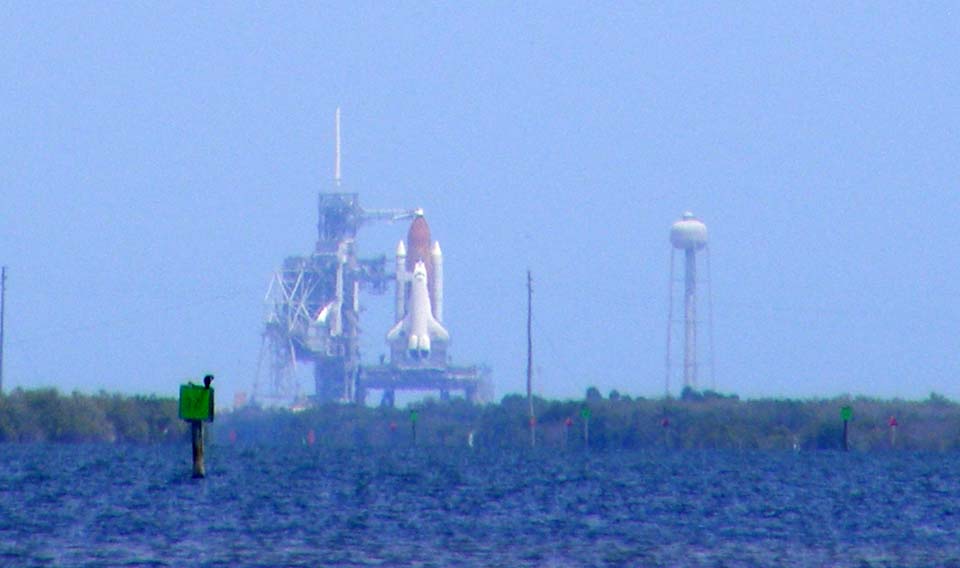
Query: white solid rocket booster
point(437, 255)
point(401, 279)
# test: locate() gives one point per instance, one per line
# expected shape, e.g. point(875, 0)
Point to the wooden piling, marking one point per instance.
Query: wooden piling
point(196, 429)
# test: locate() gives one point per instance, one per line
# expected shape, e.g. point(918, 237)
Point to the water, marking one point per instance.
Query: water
point(307, 506)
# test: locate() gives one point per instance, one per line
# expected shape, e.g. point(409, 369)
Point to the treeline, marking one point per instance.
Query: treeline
point(45, 415)
point(693, 421)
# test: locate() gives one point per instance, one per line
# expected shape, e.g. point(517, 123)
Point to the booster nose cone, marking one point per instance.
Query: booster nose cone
point(401, 249)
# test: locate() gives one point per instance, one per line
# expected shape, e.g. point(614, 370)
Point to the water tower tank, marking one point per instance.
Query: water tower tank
point(688, 233)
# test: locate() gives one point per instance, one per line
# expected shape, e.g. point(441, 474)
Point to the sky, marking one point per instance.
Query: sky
point(158, 161)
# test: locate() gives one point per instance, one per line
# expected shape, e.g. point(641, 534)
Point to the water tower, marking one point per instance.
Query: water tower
point(689, 234)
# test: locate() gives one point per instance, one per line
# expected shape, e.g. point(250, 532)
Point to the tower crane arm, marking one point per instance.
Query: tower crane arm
point(387, 214)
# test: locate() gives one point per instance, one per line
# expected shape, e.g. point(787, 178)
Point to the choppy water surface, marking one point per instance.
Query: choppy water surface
point(108, 505)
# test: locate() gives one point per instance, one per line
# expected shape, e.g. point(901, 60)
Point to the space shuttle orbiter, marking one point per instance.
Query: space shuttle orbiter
point(418, 326)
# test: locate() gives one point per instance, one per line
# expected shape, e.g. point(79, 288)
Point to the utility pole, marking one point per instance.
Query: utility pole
point(533, 418)
point(3, 309)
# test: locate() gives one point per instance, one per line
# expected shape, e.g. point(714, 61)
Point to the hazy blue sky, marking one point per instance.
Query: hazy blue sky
point(158, 161)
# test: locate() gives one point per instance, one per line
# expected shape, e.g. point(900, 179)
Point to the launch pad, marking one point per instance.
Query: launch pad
point(314, 315)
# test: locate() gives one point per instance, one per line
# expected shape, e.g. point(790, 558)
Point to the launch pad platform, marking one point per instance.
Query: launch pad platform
point(473, 381)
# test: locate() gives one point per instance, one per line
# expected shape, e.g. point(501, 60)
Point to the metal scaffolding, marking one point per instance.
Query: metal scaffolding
point(314, 309)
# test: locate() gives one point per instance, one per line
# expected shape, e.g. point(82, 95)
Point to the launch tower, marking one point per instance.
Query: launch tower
point(314, 302)
point(315, 309)
point(314, 312)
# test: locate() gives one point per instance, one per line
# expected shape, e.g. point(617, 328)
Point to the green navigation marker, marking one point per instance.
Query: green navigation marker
point(585, 413)
point(196, 407)
point(846, 413)
point(414, 416)
point(196, 403)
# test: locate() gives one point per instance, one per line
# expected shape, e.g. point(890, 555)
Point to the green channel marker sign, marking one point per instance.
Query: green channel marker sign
point(846, 413)
point(414, 416)
point(196, 403)
point(585, 413)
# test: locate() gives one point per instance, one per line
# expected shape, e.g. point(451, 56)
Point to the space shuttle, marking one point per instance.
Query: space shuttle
point(418, 327)
point(419, 299)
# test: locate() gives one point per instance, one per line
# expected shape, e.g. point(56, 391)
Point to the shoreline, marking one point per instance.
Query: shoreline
point(694, 421)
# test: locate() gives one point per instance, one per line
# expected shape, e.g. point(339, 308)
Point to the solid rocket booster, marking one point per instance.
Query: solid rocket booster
point(401, 281)
point(437, 299)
